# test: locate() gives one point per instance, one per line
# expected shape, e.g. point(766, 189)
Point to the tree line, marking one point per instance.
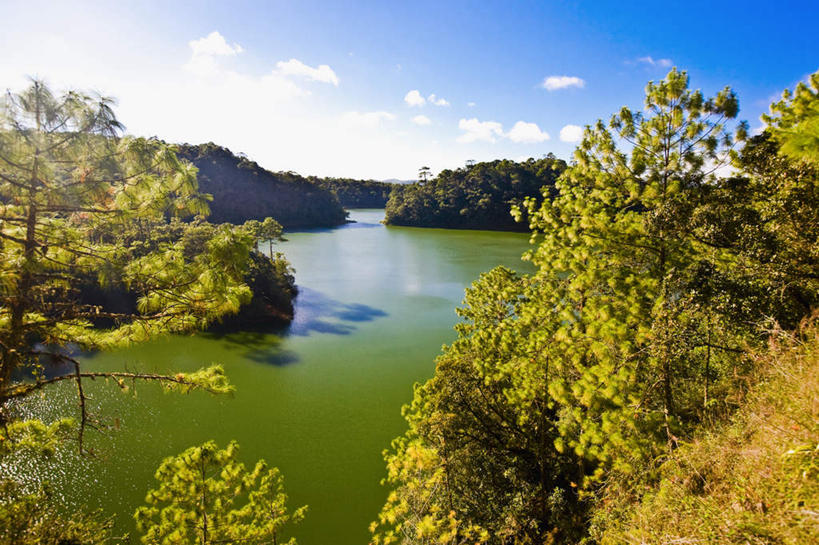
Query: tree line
point(357, 193)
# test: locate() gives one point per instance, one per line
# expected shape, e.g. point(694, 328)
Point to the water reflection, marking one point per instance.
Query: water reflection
point(361, 225)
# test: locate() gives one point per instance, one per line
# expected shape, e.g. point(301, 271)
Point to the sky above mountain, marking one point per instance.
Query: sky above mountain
point(379, 89)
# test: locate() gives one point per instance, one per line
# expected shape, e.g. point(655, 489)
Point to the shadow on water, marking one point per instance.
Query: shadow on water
point(315, 313)
point(49, 363)
point(262, 345)
point(318, 313)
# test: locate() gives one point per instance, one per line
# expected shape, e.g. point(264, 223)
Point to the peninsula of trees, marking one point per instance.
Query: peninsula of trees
point(478, 196)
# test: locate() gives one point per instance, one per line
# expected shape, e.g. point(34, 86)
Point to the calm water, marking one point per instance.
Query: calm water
point(320, 400)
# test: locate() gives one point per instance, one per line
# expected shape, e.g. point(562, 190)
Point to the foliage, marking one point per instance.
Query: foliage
point(269, 277)
point(34, 436)
point(476, 462)
point(31, 519)
point(754, 479)
point(770, 219)
point(475, 197)
point(794, 121)
point(70, 188)
point(635, 305)
point(199, 500)
point(656, 282)
point(242, 190)
point(357, 193)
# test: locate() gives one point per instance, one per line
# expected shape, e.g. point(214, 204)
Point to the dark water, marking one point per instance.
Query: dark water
point(320, 400)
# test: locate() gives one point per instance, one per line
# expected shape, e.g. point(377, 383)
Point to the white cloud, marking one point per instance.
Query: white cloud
point(526, 133)
point(205, 50)
point(471, 104)
point(295, 67)
point(571, 133)
point(414, 98)
point(479, 131)
point(552, 83)
point(366, 119)
point(421, 120)
point(214, 44)
point(432, 99)
point(665, 63)
point(260, 111)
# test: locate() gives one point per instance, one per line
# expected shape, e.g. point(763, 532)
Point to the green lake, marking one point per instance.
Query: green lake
point(321, 400)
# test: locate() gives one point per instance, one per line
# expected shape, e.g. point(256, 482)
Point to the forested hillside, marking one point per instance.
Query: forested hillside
point(753, 478)
point(242, 190)
point(474, 197)
point(357, 193)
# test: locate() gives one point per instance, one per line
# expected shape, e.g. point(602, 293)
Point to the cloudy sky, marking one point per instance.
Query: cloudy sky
point(378, 89)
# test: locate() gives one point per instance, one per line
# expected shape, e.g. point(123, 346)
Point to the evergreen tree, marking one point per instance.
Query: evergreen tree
point(794, 120)
point(621, 270)
point(68, 184)
point(206, 497)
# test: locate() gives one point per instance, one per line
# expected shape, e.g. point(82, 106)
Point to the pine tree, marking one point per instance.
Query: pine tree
point(69, 183)
point(617, 261)
point(794, 120)
point(206, 497)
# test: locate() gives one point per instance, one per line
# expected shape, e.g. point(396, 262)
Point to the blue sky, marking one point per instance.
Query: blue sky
point(326, 88)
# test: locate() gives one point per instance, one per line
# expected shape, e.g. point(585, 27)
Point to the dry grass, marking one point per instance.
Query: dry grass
point(754, 480)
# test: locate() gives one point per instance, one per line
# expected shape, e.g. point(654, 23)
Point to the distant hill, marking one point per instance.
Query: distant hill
point(397, 181)
point(242, 190)
point(357, 193)
point(478, 196)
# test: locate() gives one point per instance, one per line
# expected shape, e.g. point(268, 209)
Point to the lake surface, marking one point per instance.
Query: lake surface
point(320, 400)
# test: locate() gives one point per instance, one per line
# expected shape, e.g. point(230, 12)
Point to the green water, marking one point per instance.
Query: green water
point(320, 400)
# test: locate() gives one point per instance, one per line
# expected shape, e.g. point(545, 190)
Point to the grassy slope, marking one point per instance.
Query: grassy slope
point(753, 480)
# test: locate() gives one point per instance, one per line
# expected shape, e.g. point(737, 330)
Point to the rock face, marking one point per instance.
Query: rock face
point(242, 190)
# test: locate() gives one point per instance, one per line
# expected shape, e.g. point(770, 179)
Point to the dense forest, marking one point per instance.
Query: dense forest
point(242, 190)
point(478, 196)
point(357, 193)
